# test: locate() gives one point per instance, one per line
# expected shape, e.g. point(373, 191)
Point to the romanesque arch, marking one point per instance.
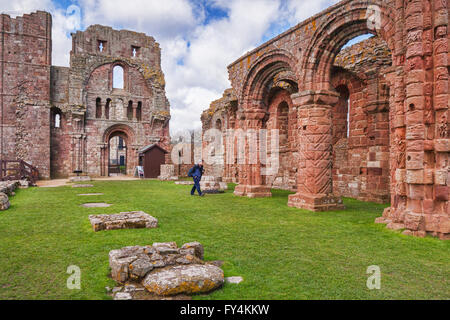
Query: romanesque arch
point(127, 134)
point(406, 111)
point(272, 72)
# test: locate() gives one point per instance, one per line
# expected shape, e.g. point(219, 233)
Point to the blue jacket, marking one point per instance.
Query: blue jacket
point(196, 171)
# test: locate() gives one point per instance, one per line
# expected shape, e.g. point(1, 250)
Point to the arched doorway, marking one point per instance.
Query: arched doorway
point(117, 156)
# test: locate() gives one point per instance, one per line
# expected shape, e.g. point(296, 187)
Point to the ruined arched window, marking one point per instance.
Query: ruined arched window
point(118, 77)
point(98, 108)
point(56, 118)
point(139, 111)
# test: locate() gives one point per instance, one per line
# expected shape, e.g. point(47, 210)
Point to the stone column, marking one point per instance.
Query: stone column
point(251, 181)
point(314, 191)
point(134, 112)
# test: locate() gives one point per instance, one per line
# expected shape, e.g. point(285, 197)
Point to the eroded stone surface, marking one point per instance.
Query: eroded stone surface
point(8, 187)
point(123, 220)
point(167, 173)
point(211, 184)
point(189, 279)
point(4, 202)
point(136, 262)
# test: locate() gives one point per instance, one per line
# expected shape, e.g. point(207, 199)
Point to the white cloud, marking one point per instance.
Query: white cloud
point(159, 18)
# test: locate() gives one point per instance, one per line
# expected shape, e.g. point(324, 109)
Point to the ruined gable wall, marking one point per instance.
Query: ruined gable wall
point(25, 89)
point(91, 78)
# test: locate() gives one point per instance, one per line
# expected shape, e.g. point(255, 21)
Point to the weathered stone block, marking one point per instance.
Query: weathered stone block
point(190, 279)
point(4, 202)
point(134, 263)
point(414, 221)
point(123, 220)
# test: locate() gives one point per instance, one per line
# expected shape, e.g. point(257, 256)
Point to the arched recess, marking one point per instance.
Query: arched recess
point(128, 136)
point(317, 97)
point(281, 127)
point(343, 25)
point(275, 68)
point(272, 72)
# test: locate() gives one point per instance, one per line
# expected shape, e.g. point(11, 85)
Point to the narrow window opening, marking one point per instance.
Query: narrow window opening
point(57, 120)
point(139, 111)
point(98, 108)
point(130, 111)
point(134, 51)
point(107, 107)
point(101, 45)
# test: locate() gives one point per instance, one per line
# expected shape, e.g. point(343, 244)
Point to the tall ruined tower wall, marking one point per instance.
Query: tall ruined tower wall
point(25, 53)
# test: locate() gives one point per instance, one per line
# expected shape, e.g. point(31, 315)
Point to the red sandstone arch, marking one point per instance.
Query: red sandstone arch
point(263, 72)
point(128, 135)
point(345, 23)
point(126, 69)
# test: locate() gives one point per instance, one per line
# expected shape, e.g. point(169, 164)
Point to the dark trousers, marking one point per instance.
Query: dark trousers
point(196, 186)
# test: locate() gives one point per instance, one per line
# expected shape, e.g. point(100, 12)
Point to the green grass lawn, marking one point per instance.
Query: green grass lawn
point(282, 252)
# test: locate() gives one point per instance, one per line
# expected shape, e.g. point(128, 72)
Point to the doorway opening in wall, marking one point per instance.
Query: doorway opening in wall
point(117, 164)
point(360, 128)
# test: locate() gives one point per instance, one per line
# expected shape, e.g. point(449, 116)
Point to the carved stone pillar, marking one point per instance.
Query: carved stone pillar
point(314, 191)
point(251, 181)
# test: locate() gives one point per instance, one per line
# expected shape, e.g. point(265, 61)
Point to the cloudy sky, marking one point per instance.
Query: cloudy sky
point(199, 38)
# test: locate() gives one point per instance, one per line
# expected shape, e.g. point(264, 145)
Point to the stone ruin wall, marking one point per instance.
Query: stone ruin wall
point(404, 123)
point(361, 160)
point(25, 89)
point(34, 92)
point(139, 112)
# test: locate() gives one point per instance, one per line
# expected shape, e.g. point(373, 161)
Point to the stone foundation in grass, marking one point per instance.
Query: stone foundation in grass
point(80, 179)
point(123, 220)
point(185, 183)
point(165, 270)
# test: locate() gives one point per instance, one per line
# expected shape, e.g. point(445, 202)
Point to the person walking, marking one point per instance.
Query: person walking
point(196, 172)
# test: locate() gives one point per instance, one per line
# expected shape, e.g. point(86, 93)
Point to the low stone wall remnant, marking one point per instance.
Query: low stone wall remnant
point(123, 220)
